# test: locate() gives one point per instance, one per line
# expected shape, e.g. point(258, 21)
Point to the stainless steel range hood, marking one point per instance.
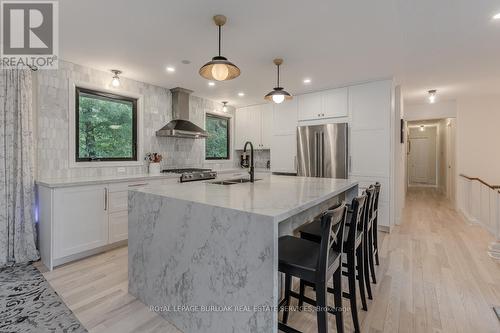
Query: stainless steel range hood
point(181, 126)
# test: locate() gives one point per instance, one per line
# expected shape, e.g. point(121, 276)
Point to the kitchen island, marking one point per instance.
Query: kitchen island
point(205, 255)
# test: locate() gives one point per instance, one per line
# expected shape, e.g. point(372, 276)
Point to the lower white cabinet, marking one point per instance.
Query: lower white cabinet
point(78, 221)
point(118, 226)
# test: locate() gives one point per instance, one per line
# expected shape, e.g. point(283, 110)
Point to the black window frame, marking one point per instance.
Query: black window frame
point(106, 96)
point(228, 143)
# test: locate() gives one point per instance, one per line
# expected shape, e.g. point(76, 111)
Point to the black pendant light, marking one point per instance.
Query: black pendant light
point(219, 69)
point(278, 95)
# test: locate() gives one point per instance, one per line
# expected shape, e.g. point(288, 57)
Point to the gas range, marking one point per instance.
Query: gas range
point(193, 174)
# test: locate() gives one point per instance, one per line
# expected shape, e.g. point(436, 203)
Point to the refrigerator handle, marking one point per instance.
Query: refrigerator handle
point(316, 155)
point(322, 155)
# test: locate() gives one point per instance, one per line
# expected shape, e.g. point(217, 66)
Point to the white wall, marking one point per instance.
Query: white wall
point(478, 138)
point(52, 89)
point(439, 110)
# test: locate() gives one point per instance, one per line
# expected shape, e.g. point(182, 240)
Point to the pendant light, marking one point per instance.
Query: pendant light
point(115, 81)
point(219, 69)
point(278, 95)
point(224, 107)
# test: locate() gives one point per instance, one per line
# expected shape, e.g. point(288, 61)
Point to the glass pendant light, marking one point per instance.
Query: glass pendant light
point(115, 81)
point(224, 107)
point(219, 69)
point(278, 95)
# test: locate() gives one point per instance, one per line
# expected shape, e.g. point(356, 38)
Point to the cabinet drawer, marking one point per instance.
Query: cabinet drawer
point(118, 226)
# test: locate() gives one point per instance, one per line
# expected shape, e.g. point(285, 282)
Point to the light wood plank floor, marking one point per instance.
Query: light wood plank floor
point(434, 276)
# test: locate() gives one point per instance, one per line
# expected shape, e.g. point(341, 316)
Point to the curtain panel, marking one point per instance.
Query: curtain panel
point(17, 197)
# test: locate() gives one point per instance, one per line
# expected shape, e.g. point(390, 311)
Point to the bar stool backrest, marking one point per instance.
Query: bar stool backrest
point(358, 210)
point(375, 203)
point(332, 231)
point(370, 192)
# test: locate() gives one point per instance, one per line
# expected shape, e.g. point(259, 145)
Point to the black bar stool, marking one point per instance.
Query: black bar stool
point(315, 263)
point(354, 251)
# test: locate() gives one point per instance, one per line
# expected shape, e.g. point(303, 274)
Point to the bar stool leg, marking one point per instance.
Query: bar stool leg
point(321, 302)
point(366, 268)
point(301, 293)
point(351, 267)
point(361, 277)
point(375, 241)
point(288, 285)
point(370, 256)
point(337, 298)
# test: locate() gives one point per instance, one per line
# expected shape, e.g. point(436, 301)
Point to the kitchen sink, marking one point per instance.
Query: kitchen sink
point(232, 181)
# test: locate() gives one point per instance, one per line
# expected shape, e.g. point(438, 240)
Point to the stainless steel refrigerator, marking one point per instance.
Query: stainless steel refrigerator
point(322, 151)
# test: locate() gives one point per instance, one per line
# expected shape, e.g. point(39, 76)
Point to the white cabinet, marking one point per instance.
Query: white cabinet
point(80, 219)
point(254, 124)
point(371, 138)
point(284, 153)
point(285, 118)
point(331, 103)
point(309, 106)
point(118, 226)
point(266, 111)
point(334, 103)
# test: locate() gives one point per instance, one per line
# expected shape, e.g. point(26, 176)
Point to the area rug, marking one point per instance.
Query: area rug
point(29, 304)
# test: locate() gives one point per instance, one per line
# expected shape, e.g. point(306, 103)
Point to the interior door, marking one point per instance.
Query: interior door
point(419, 161)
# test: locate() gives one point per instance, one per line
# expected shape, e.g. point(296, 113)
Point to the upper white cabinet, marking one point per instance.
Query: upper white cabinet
point(309, 106)
point(285, 118)
point(254, 124)
point(334, 103)
point(331, 103)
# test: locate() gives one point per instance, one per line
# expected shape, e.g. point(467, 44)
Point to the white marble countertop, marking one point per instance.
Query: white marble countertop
point(95, 180)
point(277, 196)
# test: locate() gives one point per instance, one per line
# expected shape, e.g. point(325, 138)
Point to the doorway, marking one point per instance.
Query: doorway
point(431, 155)
point(422, 155)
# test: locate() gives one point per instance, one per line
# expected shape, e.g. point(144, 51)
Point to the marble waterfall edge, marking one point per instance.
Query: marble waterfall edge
point(187, 257)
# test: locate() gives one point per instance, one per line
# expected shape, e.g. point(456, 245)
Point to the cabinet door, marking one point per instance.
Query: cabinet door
point(285, 117)
point(80, 219)
point(309, 106)
point(334, 103)
point(248, 126)
point(118, 226)
point(284, 153)
point(266, 126)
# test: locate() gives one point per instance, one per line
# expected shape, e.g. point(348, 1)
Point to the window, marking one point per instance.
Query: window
point(106, 126)
point(217, 142)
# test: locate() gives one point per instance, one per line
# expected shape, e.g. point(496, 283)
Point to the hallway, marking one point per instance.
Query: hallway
point(434, 276)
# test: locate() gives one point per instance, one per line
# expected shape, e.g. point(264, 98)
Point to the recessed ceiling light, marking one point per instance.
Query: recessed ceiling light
point(241, 94)
point(496, 16)
point(186, 62)
point(170, 69)
point(211, 84)
point(307, 81)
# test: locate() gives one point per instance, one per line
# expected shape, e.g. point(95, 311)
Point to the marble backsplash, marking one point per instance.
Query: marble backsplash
point(52, 95)
point(261, 158)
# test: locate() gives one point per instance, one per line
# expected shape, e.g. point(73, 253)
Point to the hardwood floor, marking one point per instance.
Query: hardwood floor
point(434, 276)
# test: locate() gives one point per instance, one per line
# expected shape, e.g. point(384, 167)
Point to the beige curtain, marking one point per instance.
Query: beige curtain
point(17, 229)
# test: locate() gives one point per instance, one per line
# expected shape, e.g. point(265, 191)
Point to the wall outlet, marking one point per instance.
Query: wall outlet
point(120, 170)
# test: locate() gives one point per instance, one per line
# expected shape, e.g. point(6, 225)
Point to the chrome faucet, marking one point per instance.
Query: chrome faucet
point(251, 171)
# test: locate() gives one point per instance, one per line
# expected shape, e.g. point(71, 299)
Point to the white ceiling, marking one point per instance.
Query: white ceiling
point(449, 45)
